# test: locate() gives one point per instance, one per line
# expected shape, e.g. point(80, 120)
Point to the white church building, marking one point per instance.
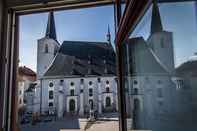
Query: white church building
point(76, 76)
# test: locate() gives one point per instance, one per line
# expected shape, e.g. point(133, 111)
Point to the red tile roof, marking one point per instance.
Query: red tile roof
point(26, 71)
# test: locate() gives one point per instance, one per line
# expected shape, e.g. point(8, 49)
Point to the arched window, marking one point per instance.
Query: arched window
point(82, 81)
point(90, 83)
point(107, 89)
point(135, 82)
point(72, 92)
point(135, 91)
point(46, 49)
point(107, 82)
point(99, 80)
point(61, 82)
point(50, 94)
point(90, 92)
point(108, 101)
point(50, 104)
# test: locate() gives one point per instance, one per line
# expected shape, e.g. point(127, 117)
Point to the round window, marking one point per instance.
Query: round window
point(72, 83)
point(50, 84)
point(135, 82)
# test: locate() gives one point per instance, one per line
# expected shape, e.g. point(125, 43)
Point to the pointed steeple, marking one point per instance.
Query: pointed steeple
point(156, 24)
point(51, 31)
point(109, 36)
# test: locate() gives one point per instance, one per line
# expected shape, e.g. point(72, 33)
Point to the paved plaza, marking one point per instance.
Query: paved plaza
point(74, 124)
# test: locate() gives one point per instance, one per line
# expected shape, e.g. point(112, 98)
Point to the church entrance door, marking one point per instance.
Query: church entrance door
point(72, 105)
point(108, 102)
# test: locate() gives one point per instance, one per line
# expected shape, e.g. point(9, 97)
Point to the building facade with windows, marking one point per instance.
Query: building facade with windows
point(75, 77)
point(26, 77)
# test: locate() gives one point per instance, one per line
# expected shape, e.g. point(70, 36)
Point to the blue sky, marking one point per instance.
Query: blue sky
point(91, 25)
point(88, 24)
point(180, 19)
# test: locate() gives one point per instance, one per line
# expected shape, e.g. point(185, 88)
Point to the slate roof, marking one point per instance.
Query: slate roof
point(81, 58)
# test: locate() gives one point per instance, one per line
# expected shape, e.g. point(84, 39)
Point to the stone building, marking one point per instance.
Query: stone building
point(76, 76)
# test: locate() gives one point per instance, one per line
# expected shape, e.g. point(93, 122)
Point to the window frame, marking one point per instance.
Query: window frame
point(11, 38)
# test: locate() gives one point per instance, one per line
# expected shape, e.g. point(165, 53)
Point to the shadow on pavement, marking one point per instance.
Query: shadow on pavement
point(64, 123)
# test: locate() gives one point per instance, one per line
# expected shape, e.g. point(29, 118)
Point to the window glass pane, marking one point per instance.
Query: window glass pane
point(160, 61)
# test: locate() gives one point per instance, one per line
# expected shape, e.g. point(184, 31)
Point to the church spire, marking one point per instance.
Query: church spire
point(51, 31)
point(156, 24)
point(108, 36)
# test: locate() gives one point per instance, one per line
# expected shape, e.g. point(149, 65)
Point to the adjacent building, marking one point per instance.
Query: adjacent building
point(26, 77)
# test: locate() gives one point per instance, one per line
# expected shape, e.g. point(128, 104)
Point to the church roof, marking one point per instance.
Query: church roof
point(81, 58)
point(51, 31)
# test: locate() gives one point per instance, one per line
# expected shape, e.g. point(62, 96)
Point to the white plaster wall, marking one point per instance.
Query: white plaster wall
point(77, 87)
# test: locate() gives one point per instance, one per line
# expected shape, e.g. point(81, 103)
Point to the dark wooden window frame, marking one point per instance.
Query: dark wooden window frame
point(134, 10)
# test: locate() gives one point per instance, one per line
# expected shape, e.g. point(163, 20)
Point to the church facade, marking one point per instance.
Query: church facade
point(75, 77)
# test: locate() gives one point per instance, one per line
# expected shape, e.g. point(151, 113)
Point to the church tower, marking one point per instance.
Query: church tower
point(161, 41)
point(47, 47)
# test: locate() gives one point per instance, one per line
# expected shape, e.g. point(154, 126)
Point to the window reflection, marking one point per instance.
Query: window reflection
point(160, 73)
